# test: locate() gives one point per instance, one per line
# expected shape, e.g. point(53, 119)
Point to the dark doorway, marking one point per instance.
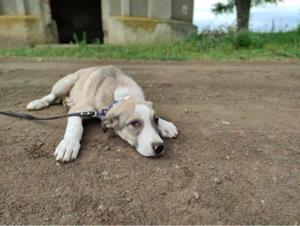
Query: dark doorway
point(78, 20)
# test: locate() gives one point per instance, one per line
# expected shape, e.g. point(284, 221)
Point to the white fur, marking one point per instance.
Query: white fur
point(121, 92)
point(148, 135)
point(41, 103)
point(167, 129)
point(68, 148)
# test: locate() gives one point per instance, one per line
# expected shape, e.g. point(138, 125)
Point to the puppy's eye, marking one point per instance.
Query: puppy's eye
point(156, 119)
point(135, 123)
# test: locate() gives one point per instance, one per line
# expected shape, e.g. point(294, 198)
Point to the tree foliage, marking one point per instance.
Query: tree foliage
point(228, 7)
point(242, 10)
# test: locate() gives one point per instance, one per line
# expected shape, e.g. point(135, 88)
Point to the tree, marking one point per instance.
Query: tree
point(242, 10)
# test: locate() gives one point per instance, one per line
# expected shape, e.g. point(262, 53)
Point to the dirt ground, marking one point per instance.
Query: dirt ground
point(236, 161)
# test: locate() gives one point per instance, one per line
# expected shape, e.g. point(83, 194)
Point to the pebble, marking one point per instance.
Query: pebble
point(186, 110)
point(196, 195)
point(128, 199)
point(217, 180)
point(104, 173)
point(119, 150)
point(262, 201)
point(226, 123)
point(227, 157)
point(107, 148)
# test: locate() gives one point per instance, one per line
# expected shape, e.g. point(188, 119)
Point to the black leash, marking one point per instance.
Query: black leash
point(85, 115)
point(88, 114)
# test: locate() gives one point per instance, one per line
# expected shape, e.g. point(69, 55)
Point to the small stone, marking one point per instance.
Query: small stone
point(227, 157)
point(196, 195)
point(262, 201)
point(119, 150)
point(186, 110)
point(128, 199)
point(211, 167)
point(107, 148)
point(104, 173)
point(177, 167)
point(217, 180)
point(57, 190)
point(226, 123)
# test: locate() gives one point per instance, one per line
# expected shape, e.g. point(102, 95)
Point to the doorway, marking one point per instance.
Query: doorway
point(78, 20)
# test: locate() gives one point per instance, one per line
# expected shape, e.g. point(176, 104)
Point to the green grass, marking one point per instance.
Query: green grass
point(210, 45)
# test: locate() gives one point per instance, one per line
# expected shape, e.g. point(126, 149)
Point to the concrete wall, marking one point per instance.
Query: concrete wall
point(147, 20)
point(26, 22)
point(29, 22)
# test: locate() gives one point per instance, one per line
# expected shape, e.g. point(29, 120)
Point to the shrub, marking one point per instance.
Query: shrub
point(248, 40)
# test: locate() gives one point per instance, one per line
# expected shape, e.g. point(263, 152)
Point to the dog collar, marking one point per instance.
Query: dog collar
point(102, 113)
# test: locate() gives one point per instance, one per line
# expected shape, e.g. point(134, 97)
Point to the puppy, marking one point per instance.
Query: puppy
point(131, 117)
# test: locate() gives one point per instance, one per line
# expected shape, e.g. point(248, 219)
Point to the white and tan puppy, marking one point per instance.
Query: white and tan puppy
point(132, 117)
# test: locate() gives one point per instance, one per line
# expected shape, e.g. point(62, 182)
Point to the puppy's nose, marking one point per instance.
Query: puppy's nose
point(158, 148)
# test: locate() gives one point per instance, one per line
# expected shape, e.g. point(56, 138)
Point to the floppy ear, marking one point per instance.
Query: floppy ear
point(111, 120)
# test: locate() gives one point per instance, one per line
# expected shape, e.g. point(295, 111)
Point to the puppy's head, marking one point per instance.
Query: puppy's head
point(135, 121)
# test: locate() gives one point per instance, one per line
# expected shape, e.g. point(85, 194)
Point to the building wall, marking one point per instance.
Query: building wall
point(182, 10)
point(147, 20)
point(29, 22)
point(25, 22)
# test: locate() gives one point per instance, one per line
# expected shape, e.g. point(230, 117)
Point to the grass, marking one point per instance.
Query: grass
point(207, 45)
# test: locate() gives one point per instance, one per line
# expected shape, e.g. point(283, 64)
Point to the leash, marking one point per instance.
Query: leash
point(88, 114)
point(85, 115)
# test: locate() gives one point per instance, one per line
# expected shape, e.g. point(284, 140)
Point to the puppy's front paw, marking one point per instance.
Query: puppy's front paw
point(37, 104)
point(167, 129)
point(67, 150)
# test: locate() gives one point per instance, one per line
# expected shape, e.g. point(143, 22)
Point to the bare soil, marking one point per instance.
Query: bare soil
point(236, 161)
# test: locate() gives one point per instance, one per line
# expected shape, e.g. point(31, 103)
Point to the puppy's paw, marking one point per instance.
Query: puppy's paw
point(167, 129)
point(37, 104)
point(67, 150)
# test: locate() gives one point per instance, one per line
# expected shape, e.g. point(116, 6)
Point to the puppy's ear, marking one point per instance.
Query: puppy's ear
point(111, 120)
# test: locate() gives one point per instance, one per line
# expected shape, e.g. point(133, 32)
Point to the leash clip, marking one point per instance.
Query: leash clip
point(88, 114)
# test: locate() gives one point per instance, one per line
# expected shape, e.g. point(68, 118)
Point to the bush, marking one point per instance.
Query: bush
point(248, 40)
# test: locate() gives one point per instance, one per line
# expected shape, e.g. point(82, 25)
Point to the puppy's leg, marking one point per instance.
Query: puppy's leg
point(61, 88)
point(167, 129)
point(68, 148)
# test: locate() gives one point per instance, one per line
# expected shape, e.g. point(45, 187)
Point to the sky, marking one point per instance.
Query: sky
point(283, 17)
